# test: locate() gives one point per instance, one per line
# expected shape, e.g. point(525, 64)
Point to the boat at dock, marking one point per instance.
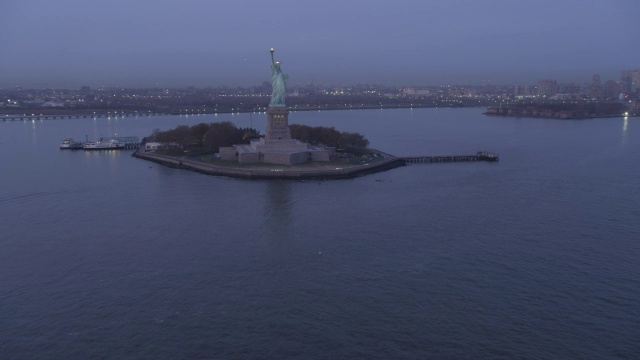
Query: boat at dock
point(71, 144)
point(112, 144)
point(105, 143)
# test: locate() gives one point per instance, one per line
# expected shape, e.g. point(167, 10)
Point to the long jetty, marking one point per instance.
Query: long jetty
point(479, 156)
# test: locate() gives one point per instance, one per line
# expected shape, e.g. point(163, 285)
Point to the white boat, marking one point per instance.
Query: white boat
point(103, 145)
point(69, 143)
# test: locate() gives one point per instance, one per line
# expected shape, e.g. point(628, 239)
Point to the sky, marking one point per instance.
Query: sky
point(177, 43)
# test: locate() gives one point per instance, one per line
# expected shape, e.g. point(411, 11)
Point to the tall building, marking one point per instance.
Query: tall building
point(635, 81)
point(611, 89)
point(547, 87)
point(595, 89)
point(626, 81)
point(569, 88)
point(521, 90)
point(630, 81)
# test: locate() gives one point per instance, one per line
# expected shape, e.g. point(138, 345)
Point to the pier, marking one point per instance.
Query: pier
point(479, 156)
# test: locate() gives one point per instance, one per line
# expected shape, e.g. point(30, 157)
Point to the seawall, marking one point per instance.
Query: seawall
point(275, 174)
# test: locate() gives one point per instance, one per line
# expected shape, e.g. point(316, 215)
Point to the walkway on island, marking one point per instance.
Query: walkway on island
point(331, 170)
point(322, 170)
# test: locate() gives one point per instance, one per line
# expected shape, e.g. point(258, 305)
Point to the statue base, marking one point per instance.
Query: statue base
point(277, 124)
point(276, 147)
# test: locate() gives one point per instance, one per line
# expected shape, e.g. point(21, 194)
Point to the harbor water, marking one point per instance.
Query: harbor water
point(103, 255)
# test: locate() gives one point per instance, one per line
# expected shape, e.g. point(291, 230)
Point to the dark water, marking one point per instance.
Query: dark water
point(107, 256)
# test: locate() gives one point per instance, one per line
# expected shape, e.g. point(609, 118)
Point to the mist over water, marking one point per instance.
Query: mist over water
point(105, 255)
point(143, 44)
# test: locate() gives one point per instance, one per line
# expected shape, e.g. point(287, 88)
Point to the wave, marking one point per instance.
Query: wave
point(43, 194)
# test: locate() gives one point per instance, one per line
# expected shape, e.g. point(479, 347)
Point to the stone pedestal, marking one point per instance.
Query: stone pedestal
point(277, 124)
point(276, 147)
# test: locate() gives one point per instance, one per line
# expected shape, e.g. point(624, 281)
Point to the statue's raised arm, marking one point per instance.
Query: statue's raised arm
point(277, 83)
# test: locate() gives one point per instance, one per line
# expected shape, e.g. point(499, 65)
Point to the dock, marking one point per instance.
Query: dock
point(479, 156)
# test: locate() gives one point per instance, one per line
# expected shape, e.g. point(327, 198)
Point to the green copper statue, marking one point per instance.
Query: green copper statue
point(277, 83)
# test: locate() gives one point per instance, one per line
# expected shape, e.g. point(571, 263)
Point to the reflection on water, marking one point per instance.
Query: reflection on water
point(278, 209)
point(625, 128)
point(34, 133)
point(101, 153)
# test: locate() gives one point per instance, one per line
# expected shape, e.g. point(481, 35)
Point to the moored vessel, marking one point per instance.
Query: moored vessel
point(71, 144)
point(112, 144)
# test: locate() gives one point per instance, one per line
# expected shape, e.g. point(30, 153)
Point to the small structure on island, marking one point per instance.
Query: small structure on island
point(276, 147)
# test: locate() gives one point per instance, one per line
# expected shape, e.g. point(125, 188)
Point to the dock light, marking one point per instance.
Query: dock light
point(626, 114)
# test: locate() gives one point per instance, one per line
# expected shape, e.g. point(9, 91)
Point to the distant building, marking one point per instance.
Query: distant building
point(547, 87)
point(626, 79)
point(611, 89)
point(85, 89)
point(630, 81)
point(570, 88)
point(521, 90)
point(412, 91)
point(595, 90)
point(52, 104)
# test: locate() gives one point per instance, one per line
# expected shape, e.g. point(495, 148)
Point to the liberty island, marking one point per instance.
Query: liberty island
point(277, 155)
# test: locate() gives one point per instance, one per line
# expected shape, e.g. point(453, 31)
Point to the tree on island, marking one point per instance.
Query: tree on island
point(208, 138)
point(222, 134)
point(328, 136)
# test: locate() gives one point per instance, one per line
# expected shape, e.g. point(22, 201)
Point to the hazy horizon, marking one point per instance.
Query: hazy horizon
point(141, 44)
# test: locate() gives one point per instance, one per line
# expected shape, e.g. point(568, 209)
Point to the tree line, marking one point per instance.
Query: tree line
point(329, 136)
point(210, 137)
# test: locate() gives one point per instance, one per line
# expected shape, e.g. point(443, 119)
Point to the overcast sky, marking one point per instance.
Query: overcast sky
point(165, 43)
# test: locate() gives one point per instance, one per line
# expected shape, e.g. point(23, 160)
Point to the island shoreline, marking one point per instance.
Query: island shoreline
point(253, 173)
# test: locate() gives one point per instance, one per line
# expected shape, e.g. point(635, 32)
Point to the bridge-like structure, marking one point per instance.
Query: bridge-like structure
point(79, 116)
point(479, 156)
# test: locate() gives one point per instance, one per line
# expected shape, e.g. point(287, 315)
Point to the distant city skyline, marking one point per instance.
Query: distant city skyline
point(71, 43)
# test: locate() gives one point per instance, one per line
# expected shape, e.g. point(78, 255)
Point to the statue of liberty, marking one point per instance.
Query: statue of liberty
point(277, 83)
